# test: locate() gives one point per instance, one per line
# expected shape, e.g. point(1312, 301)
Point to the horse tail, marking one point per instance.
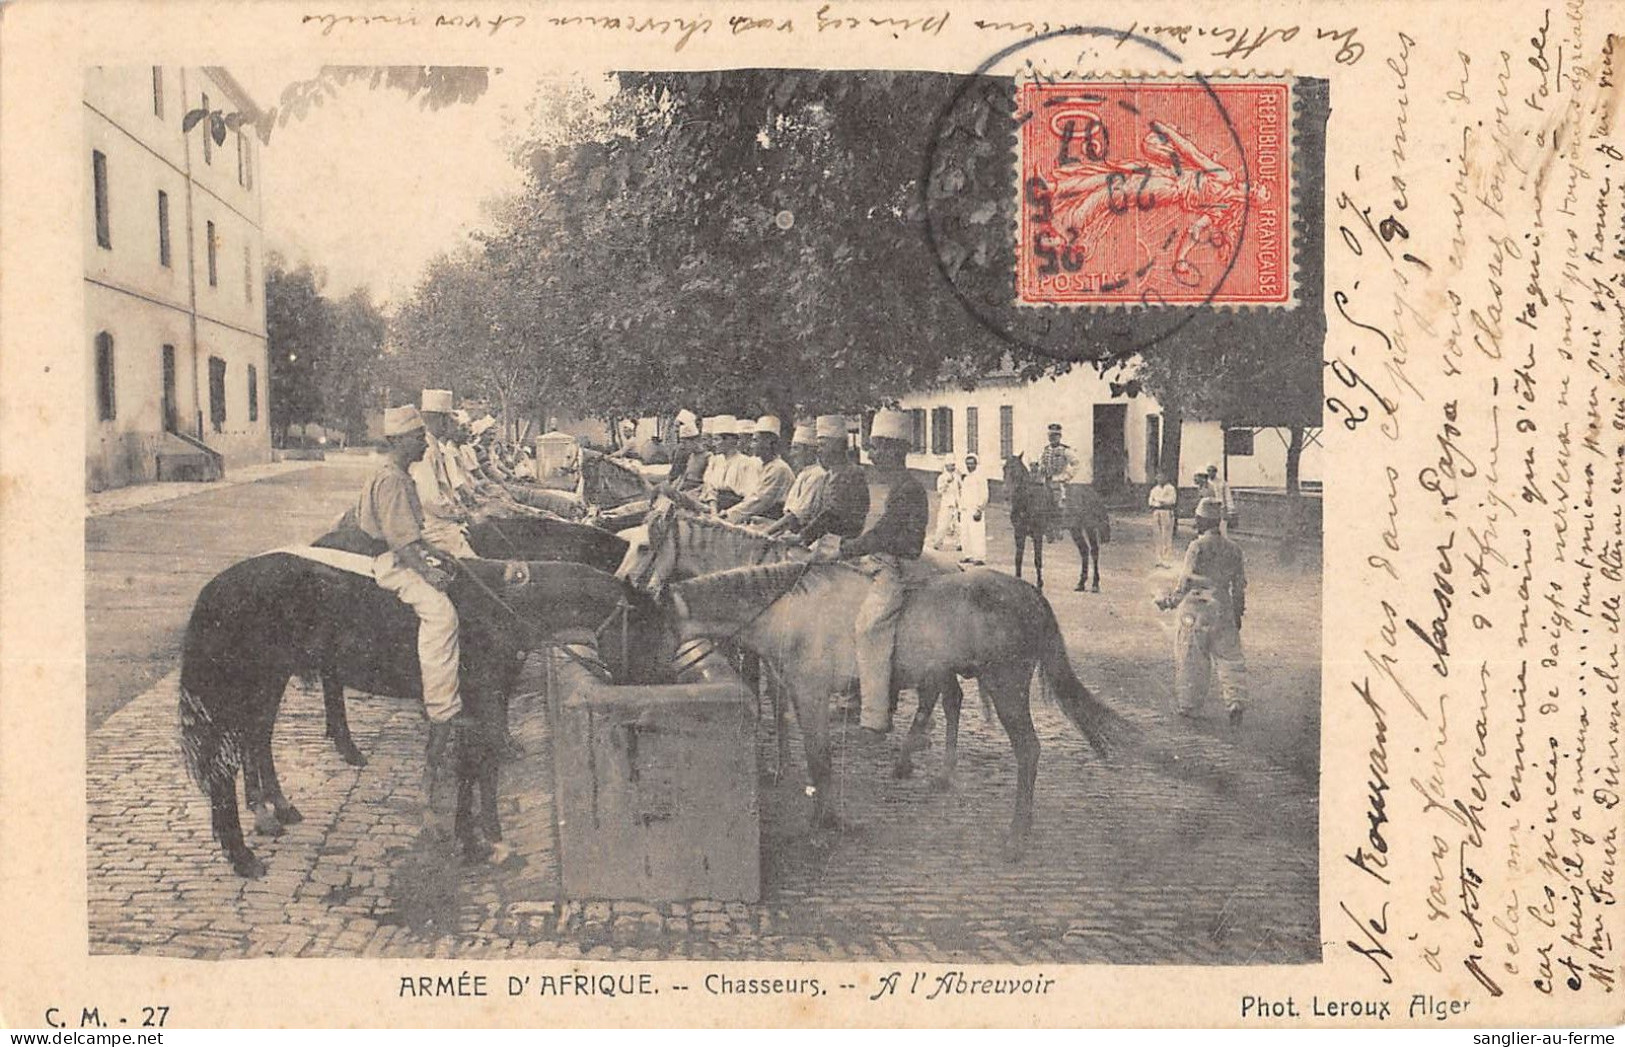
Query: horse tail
point(1098, 721)
point(212, 750)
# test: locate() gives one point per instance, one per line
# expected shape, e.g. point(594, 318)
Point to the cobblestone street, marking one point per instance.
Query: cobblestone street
point(1195, 844)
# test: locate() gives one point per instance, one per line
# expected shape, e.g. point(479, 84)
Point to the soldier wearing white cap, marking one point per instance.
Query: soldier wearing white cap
point(897, 537)
point(1211, 597)
point(741, 476)
point(1058, 465)
point(801, 501)
point(773, 476)
point(841, 504)
point(445, 508)
point(688, 462)
point(409, 566)
point(724, 431)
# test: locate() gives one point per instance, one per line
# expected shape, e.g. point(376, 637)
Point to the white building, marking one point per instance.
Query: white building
point(1115, 430)
point(174, 279)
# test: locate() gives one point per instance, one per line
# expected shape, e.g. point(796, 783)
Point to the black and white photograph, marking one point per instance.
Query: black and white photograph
point(632, 517)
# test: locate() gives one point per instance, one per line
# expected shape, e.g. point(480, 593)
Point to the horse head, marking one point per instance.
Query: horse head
point(651, 552)
point(1015, 470)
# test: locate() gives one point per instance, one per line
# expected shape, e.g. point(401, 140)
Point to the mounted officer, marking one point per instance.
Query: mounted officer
point(1058, 465)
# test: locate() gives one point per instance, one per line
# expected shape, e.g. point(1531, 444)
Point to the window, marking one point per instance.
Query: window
point(1007, 432)
point(1153, 447)
point(163, 229)
point(208, 139)
point(98, 172)
point(247, 145)
point(253, 393)
point(916, 429)
point(1238, 443)
point(217, 393)
point(973, 437)
point(214, 248)
point(158, 91)
point(240, 163)
point(248, 274)
point(106, 402)
point(171, 411)
point(942, 430)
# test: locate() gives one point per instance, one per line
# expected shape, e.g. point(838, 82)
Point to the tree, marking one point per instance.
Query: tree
point(324, 354)
point(298, 331)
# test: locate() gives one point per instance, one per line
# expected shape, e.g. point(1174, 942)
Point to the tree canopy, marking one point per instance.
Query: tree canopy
point(324, 353)
point(758, 239)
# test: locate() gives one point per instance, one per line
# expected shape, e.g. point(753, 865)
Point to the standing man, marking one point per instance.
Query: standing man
point(843, 504)
point(445, 511)
point(1163, 499)
point(948, 524)
point(805, 493)
point(1220, 492)
point(1211, 597)
point(410, 567)
point(1058, 465)
point(973, 514)
point(773, 477)
point(895, 539)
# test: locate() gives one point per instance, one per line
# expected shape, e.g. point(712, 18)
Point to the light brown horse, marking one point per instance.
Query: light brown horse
point(798, 616)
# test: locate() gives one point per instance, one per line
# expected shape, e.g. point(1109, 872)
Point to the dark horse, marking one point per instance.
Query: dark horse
point(261, 621)
point(1033, 514)
point(523, 538)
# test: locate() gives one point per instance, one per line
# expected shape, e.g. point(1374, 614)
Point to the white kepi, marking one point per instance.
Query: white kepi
point(768, 424)
point(889, 424)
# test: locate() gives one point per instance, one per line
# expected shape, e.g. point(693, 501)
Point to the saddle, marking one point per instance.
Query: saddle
point(347, 536)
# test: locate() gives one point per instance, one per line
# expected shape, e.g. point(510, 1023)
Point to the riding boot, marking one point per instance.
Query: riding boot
point(440, 779)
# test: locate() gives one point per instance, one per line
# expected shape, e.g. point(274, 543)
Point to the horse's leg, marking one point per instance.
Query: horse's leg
point(1094, 555)
point(1038, 553)
point(1081, 540)
point(338, 721)
point(781, 724)
point(952, 701)
point(228, 827)
point(259, 776)
point(812, 715)
point(928, 690)
point(1021, 548)
point(1008, 686)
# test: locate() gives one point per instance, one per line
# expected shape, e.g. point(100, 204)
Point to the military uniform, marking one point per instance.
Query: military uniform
point(1211, 597)
point(390, 513)
point(896, 537)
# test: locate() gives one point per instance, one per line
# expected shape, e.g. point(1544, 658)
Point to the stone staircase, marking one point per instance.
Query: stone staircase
point(183, 458)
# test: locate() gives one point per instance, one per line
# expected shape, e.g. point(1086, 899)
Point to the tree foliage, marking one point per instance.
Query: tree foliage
point(324, 353)
point(757, 239)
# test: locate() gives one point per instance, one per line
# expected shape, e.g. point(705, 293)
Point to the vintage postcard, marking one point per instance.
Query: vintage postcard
point(839, 513)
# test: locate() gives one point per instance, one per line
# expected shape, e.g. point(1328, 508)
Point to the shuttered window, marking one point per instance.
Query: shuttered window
point(106, 393)
point(98, 174)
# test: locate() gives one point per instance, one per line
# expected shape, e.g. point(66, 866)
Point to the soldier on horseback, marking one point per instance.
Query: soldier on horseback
point(390, 513)
point(1058, 465)
point(893, 541)
point(443, 507)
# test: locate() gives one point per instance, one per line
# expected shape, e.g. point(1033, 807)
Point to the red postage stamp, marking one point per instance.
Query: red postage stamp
point(1155, 192)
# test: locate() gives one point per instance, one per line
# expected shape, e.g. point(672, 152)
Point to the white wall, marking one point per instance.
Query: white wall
point(1068, 399)
point(144, 304)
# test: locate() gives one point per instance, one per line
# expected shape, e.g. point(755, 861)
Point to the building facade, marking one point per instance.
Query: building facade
point(174, 277)
point(1115, 429)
